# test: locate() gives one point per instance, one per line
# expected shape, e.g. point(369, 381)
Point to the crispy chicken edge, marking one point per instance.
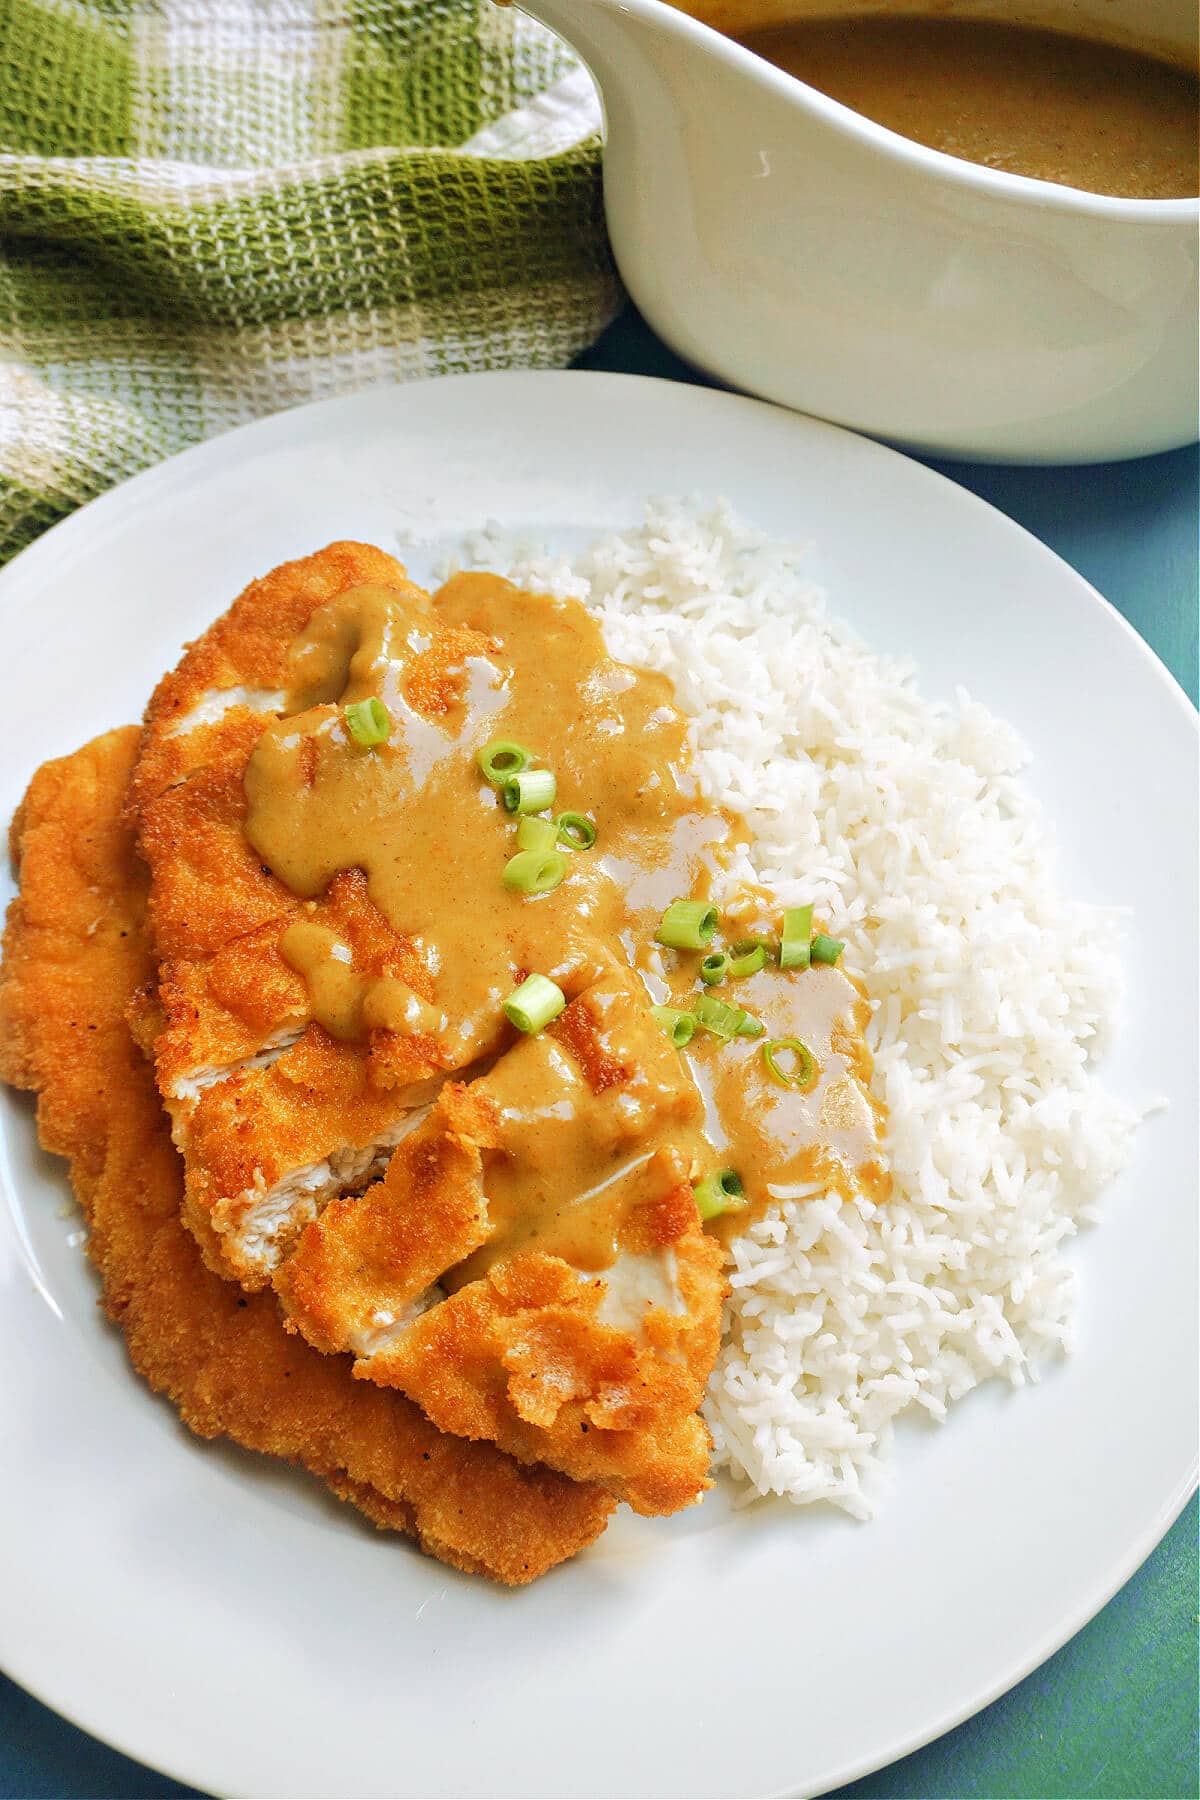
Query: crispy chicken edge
point(74, 955)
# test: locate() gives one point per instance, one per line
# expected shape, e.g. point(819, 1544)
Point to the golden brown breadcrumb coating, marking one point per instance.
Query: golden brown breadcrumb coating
point(525, 1358)
point(260, 1096)
point(247, 648)
point(528, 1355)
point(578, 1347)
point(374, 1256)
point(75, 955)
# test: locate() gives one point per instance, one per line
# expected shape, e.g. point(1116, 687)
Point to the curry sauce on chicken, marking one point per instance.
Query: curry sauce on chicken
point(473, 1048)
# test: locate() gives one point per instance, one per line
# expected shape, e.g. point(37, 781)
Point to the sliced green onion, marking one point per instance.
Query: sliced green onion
point(680, 1027)
point(534, 871)
point(749, 964)
point(797, 933)
point(801, 1075)
point(826, 949)
point(687, 925)
point(534, 1003)
point(576, 831)
point(502, 759)
point(532, 791)
point(368, 723)
point(716, 1017)
point(749, 1026)
point(537, 834)
point(714, 968)
point(720, 1191)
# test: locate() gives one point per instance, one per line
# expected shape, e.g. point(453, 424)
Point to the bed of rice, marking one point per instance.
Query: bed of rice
point(906, 823)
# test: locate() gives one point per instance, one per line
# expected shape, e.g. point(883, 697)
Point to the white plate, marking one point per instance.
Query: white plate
point(215, 1615)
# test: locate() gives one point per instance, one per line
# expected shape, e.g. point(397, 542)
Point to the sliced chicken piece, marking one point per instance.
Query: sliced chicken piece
point(599, 1376)
point(276, 1114)
point(365, 1268)
point(553, 1198)
point(75, 961)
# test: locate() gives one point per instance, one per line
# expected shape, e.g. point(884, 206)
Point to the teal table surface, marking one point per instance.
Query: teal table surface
point(1114, 1713)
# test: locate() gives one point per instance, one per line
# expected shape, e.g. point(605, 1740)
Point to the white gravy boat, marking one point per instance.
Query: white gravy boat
point(798, 251)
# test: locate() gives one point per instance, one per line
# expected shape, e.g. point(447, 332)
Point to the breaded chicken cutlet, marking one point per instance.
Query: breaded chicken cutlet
point(416, 951)
point(75, 952)
point(273, 1115)
point(320, 977)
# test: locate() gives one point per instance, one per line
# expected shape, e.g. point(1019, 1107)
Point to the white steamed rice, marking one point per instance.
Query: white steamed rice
point(992, 993)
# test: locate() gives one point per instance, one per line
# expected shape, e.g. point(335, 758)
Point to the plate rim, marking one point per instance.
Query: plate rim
point(108, 507)
point(84, 517)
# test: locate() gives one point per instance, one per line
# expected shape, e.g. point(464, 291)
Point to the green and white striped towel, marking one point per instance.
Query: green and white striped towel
point(211, 209)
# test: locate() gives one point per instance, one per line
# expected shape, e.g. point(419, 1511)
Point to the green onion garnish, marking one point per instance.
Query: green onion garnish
point(748, 964)
point(797, 933)
point(826, 949)
point(720, 1191)
point(714, 968)
point(536, 834)
point(534, 1003)
point(576, 831)
point(501, 760)
point(803, 1069)
point(687, 925)
point(532, 791)
point(716, 1017)
point(679, 1026)
point(749, 1026)
point(534, 871)
point(368, 723)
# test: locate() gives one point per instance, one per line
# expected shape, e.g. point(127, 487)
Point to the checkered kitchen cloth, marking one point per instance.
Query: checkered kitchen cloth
point(211, 209)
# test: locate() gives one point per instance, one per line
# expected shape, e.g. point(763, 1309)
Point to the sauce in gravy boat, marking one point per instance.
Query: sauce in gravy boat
point(796, 249)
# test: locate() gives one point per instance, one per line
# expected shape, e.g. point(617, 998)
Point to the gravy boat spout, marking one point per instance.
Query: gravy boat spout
point(796, 250)
point(613, 36)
